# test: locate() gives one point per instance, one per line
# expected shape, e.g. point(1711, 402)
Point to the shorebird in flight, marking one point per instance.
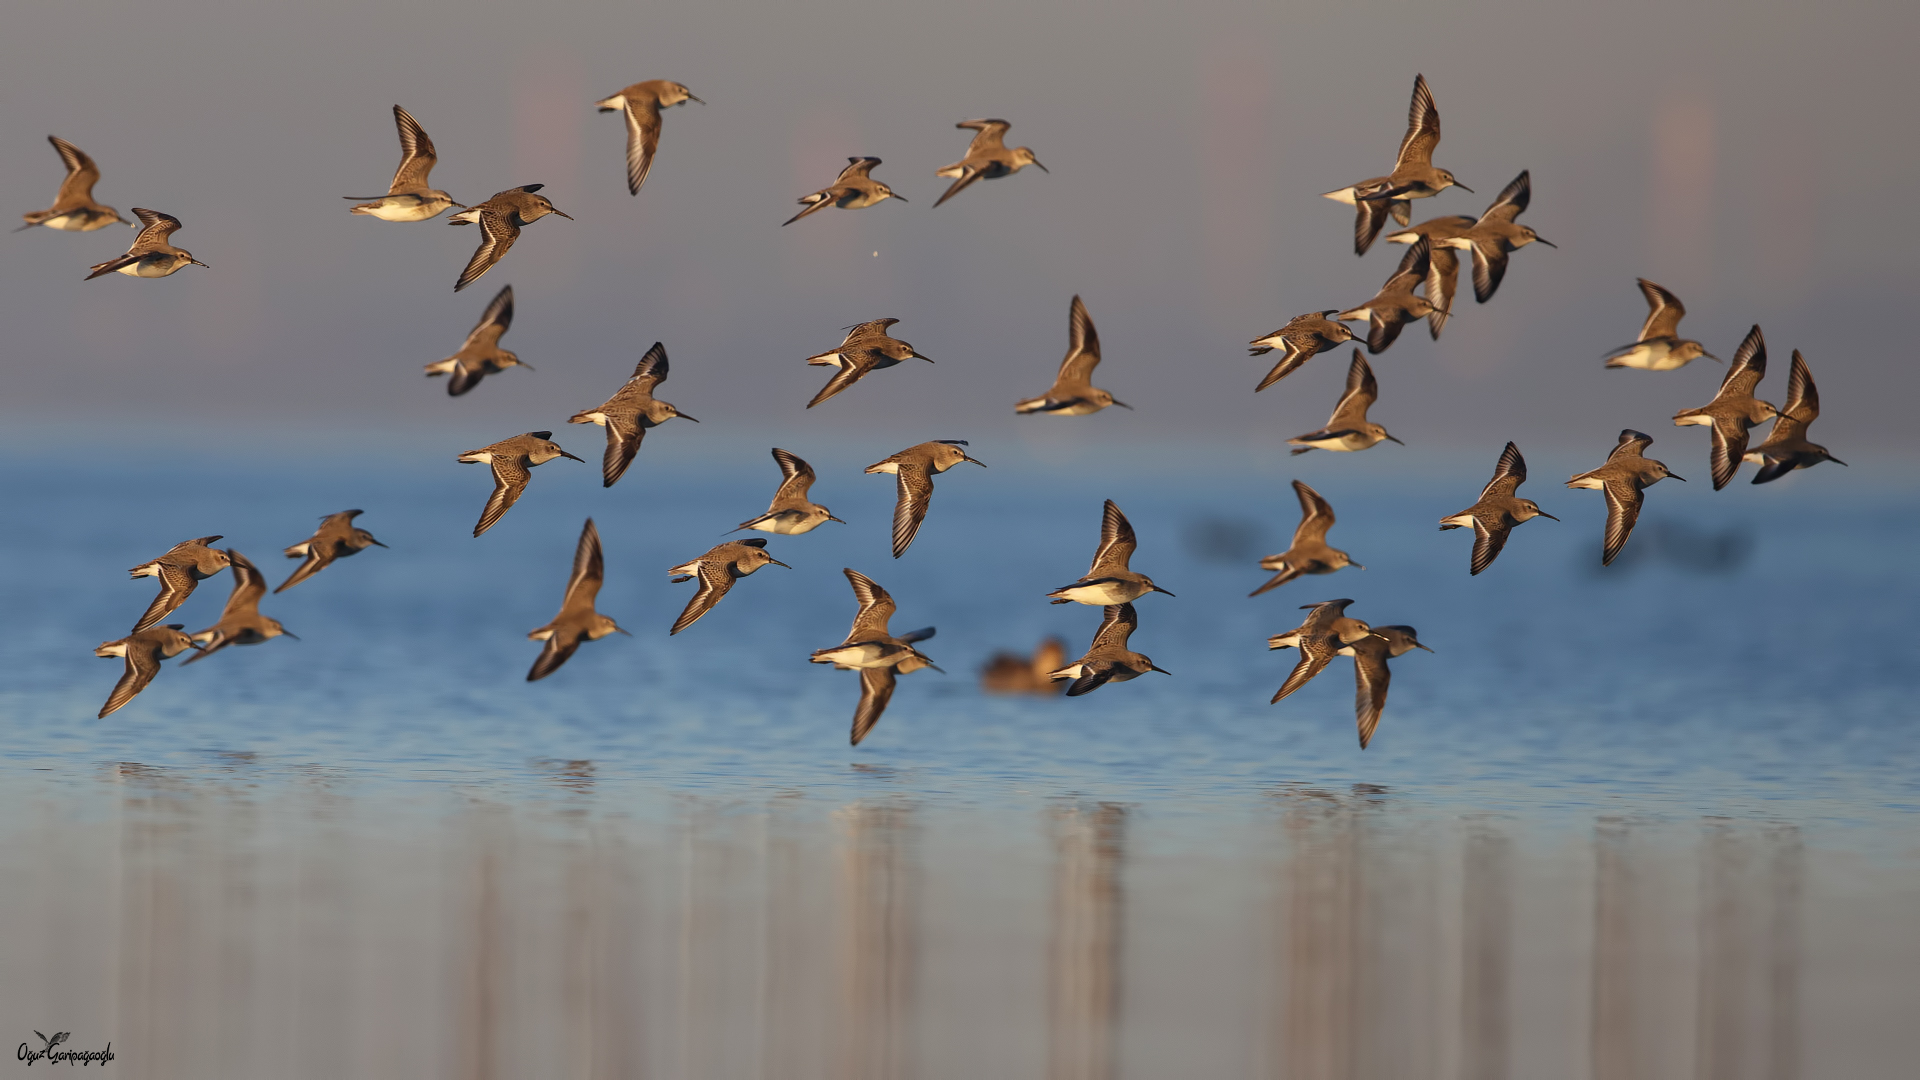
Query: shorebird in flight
point(1303, 338)
point(1443, 263)
point(1734, 411)
point(855, 189)
point(74, 209)
point(718, 569)
point(1624, 479)
point(915, 468)
point(512, 461)
point(874, 651)
point(481, 355)
point(987, 157)
point(1108, 659)
point(1786, 447)
point(1326, 630)
point(1073, 392)
point(630, 412)
point(1395, 305)
point(1660, 347)
point(336, 538)
point(500, 219)
point(1492, 238)
point(411, 197)
point(184, 566)
point(1371, 675)
point(1109, 580)
point(1413, 175)
point(1493, 516)
point(240, 621)
point(577, 620)
point(143, 651)
point(1309, 553)
point(151, 256)
point(791, 512)
point(1348, 429)
point(868, 348)
point(642, 103)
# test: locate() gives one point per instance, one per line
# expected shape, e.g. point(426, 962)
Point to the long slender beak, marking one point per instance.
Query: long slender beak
point(777, 562)
point(461, 205)
point(197, 262)
point(564, 454)
point(1042, 168)
point(902, 198)
point(1417, 645)
point(936, 667)
point(284, 632)
point(564, 214)
point(1356, 566)
point(690, 97)
point(1837, 461)
point(976, 461)
point(1464, 188)
point(1543, 514)
point(526, 365)
point(917, 356)
point(378, 543)
point(830, 517)
point(1543, 240)
point(684, 416)
point(1713, 358)
point(1122, 404)
point(1682, 479)
point(1161, 670)
point(1392, 439)
point(618, 630)
point(1158, 589)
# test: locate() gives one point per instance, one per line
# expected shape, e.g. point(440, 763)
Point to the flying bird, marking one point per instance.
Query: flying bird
point(1371, 675)
point(791, 512)
point(1109, 580)
point(74, 209)
point(642, 103)
point(1326, 630)
point(1497, 511)
point(1734, 411)
point(868, 347)
point(717, 571)
point(630, 412)
point(1660, 347)
point(184, 566)
point(1303, 338)
point(987, 157)
point(577, 620)
point(240, 621)
point(1073, 392)
point(143, 651)
point(1108, 659)
point(512, 461)
point(1395, 305)
point(1491, 239)
point(875, 652)
point(500, 219)
point(481, 354)
point(150, 256)
point(410, 197)
point(1413, 176)
point(1309, 553)
point(1786, 447)
point(915, 468)
point(1624, 479)
point(336, 538)
point(1348, 429)
point(855, 189)
point(1443, 263)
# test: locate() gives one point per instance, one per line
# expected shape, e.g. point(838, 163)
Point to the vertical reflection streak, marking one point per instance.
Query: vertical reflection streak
point(1083, 968)
point(878, 935)
point(1487, 948)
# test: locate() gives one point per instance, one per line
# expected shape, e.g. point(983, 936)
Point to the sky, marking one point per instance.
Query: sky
point(1727, 150)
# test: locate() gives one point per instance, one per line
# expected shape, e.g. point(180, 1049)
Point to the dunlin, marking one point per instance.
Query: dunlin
point(74, 209)
point(1660, 348)
point(1371, 675)
point(642, 103)
point(1786, 447)
point(143, 651)
point(1109, 580)
point(1623, 479)
point(630, 412)
point(869, 643)
point(915, 468)
point(987, 157)
point(184, 566)
point(512, 461)
point(1303, 338)
point(854, 190)
point(1073, 392)
point(410, 197)
point(1497, 511)
point(500, 219)
point(577, 620)
point(1413, 176)
point(1395, 305)
point(1326, 630)
point(1348, 428)
point(150, 256)
point(1495, 236)
point(868, 347)
point(1734, 411)
point(1443, 263)
point(240, 621)
point(791, 512)
point(717, 571)
point(1108, 659)
point(481, 355)
point(336, 538)
point(1309, 553)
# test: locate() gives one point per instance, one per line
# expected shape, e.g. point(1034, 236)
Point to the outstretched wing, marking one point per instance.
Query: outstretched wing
point(1664, 312)
point(510, 478)
point(643, 138)
point(651, 371)
point(1488, 538)
point(991, 135)
point(624, 435)
point(1117, 624)
point(1083, 348)
point(968, 174)
point(857, 168)
point(494, 321)
point(796, 476)
point(417, 156)
point(910, 507)
point(1423, 127)
point(1117, 541)
point(142, 666)
point(497, 234)
point(1362, 391)
point(82, 173)
point(1729, 446)
point(589, 570)
point(175, 586)
point(1370, 679)
point(876, 689)
point(1623, 509)
point(1512, 200)
point(1316, 652)
point(715, 579)
point(1508, 474)
point(1443, 280)
point(1489, 268)
point(559, 648)
point(1316, 516)
point(856, 366)
point(1803, 398)
point(155, 227)
point(248, 587)
point(876, 607)
point(1632, 443)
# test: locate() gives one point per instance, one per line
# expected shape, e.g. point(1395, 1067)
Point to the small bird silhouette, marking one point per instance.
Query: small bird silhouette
point(577, 620)
point(74, 209)
point(500, 219)
point(481, 354)
point(630, 412)
point(512, 461)
point(718, 569)
point(915, 468)
point(1309, 553)
point(1623, 479)
point(1348, 429)
point(1786, 447)
point(143, 651)
point(240, 621)
point(410, 197)
point(791, 512)
point(1109, 580)
point(1108, 659)
point(987, 157)
point(868, 348)
point(184, 566)
point(642, 103)
point(1497, 511)
point(1073, 392)
point(855, 189)
point(337, 538)
point(1303, 338)
point(151, 256)
point(1734, 411)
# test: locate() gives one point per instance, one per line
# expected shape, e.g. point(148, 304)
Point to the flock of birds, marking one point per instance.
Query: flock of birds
point(1421, 287)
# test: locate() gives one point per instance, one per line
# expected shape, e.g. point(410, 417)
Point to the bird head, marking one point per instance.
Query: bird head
point(1024, 156)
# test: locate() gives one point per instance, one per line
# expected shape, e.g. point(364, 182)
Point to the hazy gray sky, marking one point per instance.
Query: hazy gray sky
point(1755, 158)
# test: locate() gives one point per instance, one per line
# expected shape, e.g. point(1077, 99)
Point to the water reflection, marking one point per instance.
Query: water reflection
point(248, 926)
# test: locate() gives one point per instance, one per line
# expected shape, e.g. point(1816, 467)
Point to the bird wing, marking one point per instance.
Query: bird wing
point(493, 322)
point(624, 435)
point(317, 558)
point(968, 174)
point(417, 156)
point(876, 607)
point(248, 587)
point(1117, 624)
point(497, 234)
point(155, 227)
point(1623, 509)
point(1664, 312)
point(589, 570)
point(1508, 474)
point(1316, 516)
point(175, 586)
point(715, 577)
point(1423, 127)
point(1749, 365)
point(643, 138)
point(858, 363)
point(1316, 652)
point(991, 135)
point(1632, 444)
point(1370, 679)
point(818, 200)
point(1803, 398)
point(510, 476)
point(1729, 446)
point(1117, 541)
point(1412, 271)
point(1488, 538)
point(876, 689)
point(463, 378)
point(910, 508)
point(1297, 352)
point(77, 188)
point(558, 649)
point(651, 371)
point(872, 328)
point(1369, 217)
point(141, 667)
point(859, 168)
point(1489, 267)
point(1512, 200)
point(1443, 279)
point(796, 477)
point(1083, 349)
point(1362, 391)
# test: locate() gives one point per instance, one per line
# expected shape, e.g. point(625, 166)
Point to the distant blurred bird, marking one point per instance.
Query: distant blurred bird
point(500, 219)
point(74, 209)
point(481, 354)
point(791, 512)
point(1303, 338)
point(1786, 447)
point(1395, 305)
point(577, 620)
point(151, 256)
point(1493, 238)
point(1309, 553)
point(1623, 479)
point(240, 621)
point(872, 649)
point(868, 348)
point(1073, 392)
point(143, 651)
point(642, 103)
point(854, 190)
point(512, 461)
point(410, 197)
point(1497, 511)
point(915, 468)
point(1443, 264)
point(1108, 659)
point(336, 538)
point(987, 157)
point(184, 566)
point(1326, 630)
point(1011, 673)
point(1109, 580)
point(1348, 428)
point(1734, 411)
point(717, 570)
point(1413, 176)
point(1660, 348)
point(1370, 674)
point(630, 412)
